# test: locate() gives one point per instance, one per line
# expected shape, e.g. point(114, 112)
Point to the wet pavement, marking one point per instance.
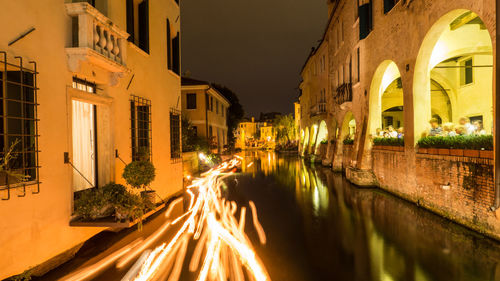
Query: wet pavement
point(320, 227)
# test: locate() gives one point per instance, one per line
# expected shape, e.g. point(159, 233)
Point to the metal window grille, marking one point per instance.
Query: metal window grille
point(84, 85)
point(175, 135)
point(19, 125)
point(140, 117)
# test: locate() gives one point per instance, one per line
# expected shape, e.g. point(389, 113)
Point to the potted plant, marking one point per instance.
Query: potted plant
point(139, 174)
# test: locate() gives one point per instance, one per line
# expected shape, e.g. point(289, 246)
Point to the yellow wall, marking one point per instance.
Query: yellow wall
point(200, 115)
point(37, 226)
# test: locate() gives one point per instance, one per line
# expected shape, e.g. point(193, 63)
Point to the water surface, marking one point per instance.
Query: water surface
point(320, 227)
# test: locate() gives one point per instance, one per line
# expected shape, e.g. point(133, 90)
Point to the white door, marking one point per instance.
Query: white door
point(84, 146)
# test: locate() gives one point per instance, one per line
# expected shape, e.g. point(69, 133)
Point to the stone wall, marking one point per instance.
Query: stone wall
point(347, 151)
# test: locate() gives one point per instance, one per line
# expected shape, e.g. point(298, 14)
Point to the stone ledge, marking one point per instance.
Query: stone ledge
point(451, 158)
point(362, 178)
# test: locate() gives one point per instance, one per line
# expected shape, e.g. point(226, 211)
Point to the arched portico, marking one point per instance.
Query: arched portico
point(386, 99)
point(306, 141)
point(454, 73)
point(322, 135)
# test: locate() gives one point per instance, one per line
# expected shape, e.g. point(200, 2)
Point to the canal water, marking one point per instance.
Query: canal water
point(320, 227)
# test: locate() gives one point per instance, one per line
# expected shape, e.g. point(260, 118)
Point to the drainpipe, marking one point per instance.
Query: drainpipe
point(496, 204)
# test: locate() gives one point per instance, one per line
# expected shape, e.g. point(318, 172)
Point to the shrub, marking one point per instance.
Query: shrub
point(139, 174)
point(457, 142)
point(348, 141)
point(111, 199)
point(389, 141)
point(324, 142)
point(93, 203)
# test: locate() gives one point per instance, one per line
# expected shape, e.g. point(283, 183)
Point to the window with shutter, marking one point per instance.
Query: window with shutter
point(130, 20)
point(176, 55)
point(144, 26)
point(169, 45)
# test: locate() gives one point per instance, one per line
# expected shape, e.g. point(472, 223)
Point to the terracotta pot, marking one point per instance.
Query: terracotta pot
point(444, 151)
point(486, 154)
point(432, 151)
point(471, 153)
point(422, 150)
point(457, 152)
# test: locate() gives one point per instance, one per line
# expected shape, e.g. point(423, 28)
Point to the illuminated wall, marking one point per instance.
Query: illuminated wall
point(438, 85)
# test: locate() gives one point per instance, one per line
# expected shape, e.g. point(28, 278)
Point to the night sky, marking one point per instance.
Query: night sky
point(256, 48)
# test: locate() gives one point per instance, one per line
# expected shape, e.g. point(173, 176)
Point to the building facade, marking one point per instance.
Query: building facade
point(87, 86)
point(400, 64)
point(206, 109)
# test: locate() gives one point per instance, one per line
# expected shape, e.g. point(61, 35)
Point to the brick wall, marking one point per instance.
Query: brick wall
point(346, 156)
point(459, 188)
point(463, 187)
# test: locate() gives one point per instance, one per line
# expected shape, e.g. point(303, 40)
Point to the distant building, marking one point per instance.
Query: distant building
point(206, 108)
point(297, 114)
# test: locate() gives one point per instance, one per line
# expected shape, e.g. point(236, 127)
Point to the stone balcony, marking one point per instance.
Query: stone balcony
point(318, 109)
point(96, 40)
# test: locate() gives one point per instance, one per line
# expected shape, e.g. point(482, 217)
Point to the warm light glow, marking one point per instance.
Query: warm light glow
point(222, 249)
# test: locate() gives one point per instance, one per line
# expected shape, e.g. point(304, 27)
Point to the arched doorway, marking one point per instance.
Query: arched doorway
point(312, 140)
point(386, 100)
point(454, 73)
point(322, 135)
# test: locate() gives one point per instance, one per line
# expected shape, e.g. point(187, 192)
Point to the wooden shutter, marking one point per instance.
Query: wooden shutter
point(144, 26)
point(130, 20)
point(169, 45)
point(176, 64)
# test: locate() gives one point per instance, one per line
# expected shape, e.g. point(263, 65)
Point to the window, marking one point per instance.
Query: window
point(211, 104)
point(175, 134)
point(176, 55)
point(222, 110)
point(365, 19)
point(466, 72)
point(138, 23)
point(18, 122)
point(389, 4)
point(191, 101)
point(358, 64)
point(216, 106)
point(169, 46)
point(84, 85)
point(140, 117)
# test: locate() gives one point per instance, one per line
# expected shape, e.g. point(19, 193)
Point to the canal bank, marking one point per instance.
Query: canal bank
point(321, 227)
point(391, 110)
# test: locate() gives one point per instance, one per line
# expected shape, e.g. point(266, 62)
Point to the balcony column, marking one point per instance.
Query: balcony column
point(85, 31)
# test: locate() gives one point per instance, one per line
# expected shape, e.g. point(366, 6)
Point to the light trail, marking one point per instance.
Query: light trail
point(222, 247)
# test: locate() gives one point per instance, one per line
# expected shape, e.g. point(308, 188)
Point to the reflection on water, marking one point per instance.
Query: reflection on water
point(320, 227)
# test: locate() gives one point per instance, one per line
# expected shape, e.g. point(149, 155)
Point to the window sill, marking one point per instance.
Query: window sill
point(356, 23)
point(17, 185)
point(139, 50)
point(174, 74)
point(110, 222)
